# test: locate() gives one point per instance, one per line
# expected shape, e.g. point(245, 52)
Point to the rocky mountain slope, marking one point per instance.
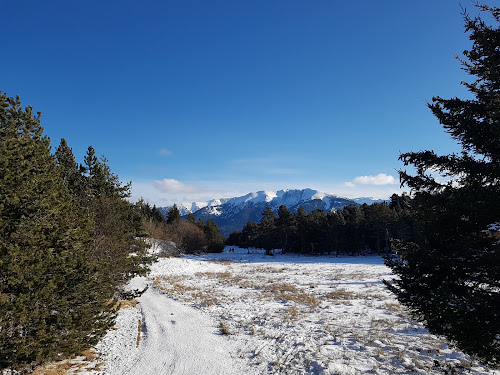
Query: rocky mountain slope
point(232, 214)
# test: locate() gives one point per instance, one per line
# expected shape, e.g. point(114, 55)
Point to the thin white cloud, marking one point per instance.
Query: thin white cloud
point(169, 185)
point(380, 179)
point(169, 191)
point(165, 152)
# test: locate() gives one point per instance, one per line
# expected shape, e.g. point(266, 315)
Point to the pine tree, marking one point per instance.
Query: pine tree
point(268, 230)
point(336, 231)
point(450, 278)
point(174, 215)
point(215, 240)
point(191, 218)
point(69, 168)
point(118, 252)
point(50, 303)
point(285, 228)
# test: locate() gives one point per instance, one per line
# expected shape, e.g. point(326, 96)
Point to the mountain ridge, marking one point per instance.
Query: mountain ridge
point(232, 214)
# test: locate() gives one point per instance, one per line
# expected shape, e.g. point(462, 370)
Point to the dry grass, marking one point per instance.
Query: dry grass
point(224, 262)
point(172, 284)
point(97, 367)
point(224, 329)
point(59, 368)
point(292, 313)
point(139, 329)
point(382, 323)
point(89, 354)
point(205, 299)
point(340, 294)
point(376, 296)
point(123, 303)
point(269, 269)
point(300, 297)
point(280, 288)
point(393, 307)
point(214, 275)
point(251, 328)
point(249, 284)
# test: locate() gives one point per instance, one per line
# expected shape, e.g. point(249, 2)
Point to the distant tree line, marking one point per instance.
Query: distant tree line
point(190, 235)
point(68, 244)
point(351, 230)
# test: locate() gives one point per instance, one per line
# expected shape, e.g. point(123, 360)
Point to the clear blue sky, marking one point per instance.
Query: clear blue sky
point(192, 100)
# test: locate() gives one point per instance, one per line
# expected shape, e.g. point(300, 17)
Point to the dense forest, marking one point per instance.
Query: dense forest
point(351, 230)
point(68, 243)
point(189, 236)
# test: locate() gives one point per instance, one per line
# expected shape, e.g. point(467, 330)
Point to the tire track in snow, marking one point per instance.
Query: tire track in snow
point(178, 340)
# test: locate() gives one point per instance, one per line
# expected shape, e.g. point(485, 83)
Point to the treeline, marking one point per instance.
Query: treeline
point(352, 230)
point(68, 243)
point(190, 235)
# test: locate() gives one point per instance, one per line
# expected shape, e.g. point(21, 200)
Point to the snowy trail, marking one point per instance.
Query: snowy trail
point(286, 314)
point(177, 340)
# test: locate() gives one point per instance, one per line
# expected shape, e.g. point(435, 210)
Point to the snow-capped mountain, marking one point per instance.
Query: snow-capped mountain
point(232, 214)
point(369, 200)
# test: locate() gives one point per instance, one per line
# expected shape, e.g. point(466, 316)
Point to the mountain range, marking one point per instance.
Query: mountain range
point(232, 214)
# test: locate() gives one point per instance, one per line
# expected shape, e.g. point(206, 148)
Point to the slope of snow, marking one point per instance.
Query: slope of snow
point(285, 314)
point(368, 200)
point(287, 197)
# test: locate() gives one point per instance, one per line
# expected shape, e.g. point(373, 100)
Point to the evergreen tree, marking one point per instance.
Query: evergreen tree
point(50, 302)
point(354, 228)
point(117, 250)
point(450, 278)
point(156, 215)
point(301, 218)
point(315, 232)
point(268, 230)
point(174, 215)
point(378, 218)
point(215, 240)
point(336, 231)
point(191, 218)
point(285, 228)
point(69, 169)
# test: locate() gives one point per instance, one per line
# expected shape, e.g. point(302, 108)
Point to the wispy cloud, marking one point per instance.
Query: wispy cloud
point(169, 185)
point(165, 152)
point(380, 179)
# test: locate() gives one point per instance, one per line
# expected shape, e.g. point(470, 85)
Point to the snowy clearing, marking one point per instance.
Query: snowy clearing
point(254, 314)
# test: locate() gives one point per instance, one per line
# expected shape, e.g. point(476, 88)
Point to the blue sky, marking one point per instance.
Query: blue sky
point(193, 100)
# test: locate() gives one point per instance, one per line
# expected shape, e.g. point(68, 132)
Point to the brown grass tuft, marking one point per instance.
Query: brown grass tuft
point(89, 354)
point(124, 303)
point(280, 288)
point(224, 329)
point(338, 294)
point(139, 329)
point(205, 299)
point(58, 368)
point(214, 275)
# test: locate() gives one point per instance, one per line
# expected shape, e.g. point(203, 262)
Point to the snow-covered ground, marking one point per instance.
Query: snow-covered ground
point(254, 314)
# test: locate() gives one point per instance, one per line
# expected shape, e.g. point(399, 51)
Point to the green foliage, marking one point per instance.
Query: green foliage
point(215, 240)
point(450, 275)
point(174, 215)
point(67, 243)
point(51, 304)
point(352, 230)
